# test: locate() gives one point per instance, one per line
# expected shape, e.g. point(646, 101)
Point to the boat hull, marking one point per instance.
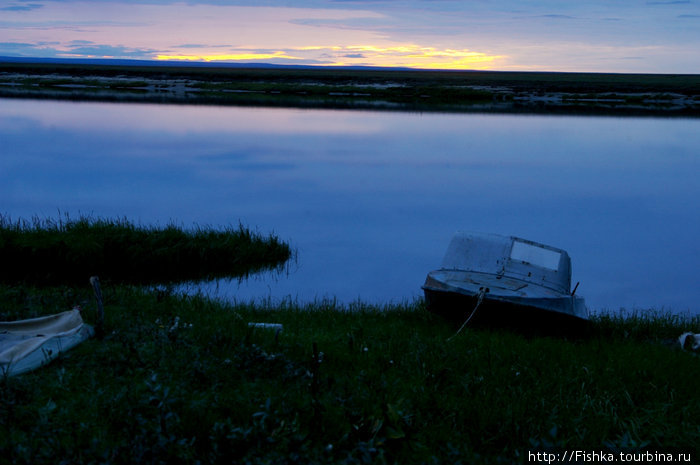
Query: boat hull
point(529, 316)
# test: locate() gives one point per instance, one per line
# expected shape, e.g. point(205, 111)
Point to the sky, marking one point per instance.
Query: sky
point(652, 36)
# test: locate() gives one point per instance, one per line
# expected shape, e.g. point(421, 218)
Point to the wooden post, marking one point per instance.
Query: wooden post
point(99, 325)
point(316, 406)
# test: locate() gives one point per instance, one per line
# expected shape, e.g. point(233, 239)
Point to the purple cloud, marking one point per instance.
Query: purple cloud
point(21, 7)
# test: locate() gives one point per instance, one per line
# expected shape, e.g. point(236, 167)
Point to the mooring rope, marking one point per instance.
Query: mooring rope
point(480, 297)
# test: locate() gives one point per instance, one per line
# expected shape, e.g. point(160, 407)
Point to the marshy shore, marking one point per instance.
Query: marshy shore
point(412, 90)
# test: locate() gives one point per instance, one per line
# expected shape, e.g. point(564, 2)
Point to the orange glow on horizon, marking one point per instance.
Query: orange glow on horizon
point(415, 56)
point(410, 55)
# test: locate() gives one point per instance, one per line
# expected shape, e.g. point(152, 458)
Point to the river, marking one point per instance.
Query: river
point(369, 200)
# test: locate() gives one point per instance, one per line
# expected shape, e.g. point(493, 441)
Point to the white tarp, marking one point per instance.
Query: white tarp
point(29, 344)
point(690, 341)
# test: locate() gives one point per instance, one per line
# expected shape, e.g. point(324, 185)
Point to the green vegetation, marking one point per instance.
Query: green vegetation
point(68, 251)
point(185, 379)
point(398, 89)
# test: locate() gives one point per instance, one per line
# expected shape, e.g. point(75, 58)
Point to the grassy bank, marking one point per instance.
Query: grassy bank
point(186, 379)
point(183, 379)
point(68, 251)
point(416, 90)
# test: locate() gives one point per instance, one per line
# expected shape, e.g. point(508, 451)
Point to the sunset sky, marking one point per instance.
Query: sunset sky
point(656, 36)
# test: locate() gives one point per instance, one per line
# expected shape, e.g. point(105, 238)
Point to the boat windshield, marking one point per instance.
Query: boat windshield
point(535, 255)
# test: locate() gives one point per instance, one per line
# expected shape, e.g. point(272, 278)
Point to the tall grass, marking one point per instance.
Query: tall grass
point(69, 251)
point(184, 379)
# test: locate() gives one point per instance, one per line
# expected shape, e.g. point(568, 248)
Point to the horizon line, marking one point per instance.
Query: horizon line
point(267, 65)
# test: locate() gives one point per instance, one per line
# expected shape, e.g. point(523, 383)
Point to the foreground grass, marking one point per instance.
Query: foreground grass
point(184, 379)
point(68, 251)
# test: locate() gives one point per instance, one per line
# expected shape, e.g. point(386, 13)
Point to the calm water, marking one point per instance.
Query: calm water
point(371, 199)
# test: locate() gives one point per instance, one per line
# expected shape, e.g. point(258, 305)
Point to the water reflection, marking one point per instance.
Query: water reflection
point(371, 199)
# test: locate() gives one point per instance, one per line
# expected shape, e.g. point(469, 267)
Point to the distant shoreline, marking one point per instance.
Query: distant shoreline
point(379, 89)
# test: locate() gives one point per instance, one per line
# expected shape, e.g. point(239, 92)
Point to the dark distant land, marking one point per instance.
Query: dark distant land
point(351, 87)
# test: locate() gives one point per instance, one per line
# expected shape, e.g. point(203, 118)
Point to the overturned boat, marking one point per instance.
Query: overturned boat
point(29, 344)
point(493, 280)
